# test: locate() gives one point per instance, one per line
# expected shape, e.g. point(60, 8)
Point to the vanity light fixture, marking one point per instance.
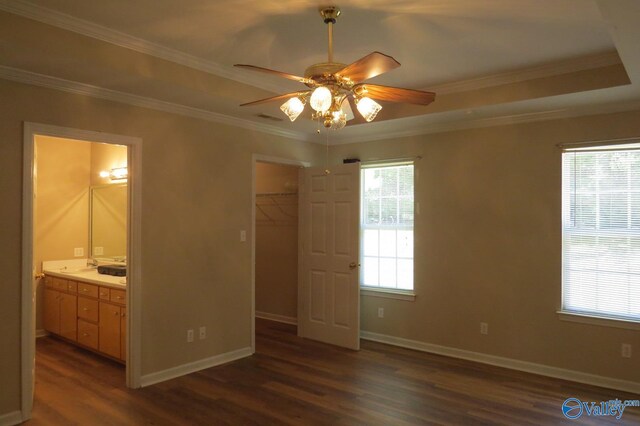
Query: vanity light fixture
point(118, 173)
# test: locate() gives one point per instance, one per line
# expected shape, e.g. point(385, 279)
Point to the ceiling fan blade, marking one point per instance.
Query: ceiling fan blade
point(275, 98)
point(373, 64)
point(394, 94)
point(278, 73)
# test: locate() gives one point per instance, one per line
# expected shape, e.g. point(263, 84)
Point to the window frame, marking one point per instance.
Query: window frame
point(572, 315)
point(387, 292)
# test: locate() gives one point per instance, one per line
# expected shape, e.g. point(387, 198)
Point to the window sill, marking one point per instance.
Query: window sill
point(388, 293)
point(596, 320)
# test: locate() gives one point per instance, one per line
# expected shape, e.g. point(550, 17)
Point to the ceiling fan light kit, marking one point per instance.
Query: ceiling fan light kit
point(332, 84)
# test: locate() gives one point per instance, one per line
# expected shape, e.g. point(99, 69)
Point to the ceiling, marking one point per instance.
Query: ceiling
point(488, 60)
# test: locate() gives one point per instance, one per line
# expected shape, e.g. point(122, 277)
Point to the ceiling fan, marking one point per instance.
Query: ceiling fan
point(331, 84)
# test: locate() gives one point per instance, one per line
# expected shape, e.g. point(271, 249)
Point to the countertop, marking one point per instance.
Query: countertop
point(90, 276)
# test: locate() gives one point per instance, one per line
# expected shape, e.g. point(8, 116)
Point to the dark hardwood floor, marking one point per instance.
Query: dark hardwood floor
point(295, 381)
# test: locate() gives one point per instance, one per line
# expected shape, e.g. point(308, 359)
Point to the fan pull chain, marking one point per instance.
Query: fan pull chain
point(326, 160)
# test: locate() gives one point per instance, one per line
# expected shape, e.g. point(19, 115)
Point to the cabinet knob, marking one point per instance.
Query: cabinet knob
point(85, 334)
point(122, 314)
point(85, 309)
point(116, 313)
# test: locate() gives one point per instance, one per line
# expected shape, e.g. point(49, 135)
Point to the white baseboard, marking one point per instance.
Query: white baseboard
point(41, 333)
point(513, 364)
point(276, 317)
point(10, 419)
point(192, 367)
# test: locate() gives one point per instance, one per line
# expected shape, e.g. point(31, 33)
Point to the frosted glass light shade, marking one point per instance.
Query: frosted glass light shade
point(346, 108)
point(293, 108)
point(338, 120)
point(368, 108)
point(321, 99)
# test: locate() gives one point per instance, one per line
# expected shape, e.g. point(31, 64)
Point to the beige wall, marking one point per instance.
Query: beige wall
point(277, 240)
point(488, 245)
point(197, 179)
point(61, 206)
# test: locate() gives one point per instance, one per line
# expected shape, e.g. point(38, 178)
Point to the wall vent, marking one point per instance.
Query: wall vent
point(269, 117)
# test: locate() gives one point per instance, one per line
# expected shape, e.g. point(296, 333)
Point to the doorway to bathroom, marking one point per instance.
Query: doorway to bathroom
point(81, 251)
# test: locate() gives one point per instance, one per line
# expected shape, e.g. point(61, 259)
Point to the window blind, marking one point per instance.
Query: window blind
point(601, 232)
point(386, 226)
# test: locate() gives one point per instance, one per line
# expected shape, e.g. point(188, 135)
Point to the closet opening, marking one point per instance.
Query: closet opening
point(276, 241)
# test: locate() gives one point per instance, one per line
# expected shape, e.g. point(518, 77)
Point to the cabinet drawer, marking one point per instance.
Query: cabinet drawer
point(103, 293)
point(56, 283)
point(72, 286)
point(118, 296)
point(88, 334)
point(88, 309)
point(88, 290)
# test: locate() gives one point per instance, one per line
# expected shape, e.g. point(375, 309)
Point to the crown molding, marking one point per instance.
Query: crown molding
point(416, 126)
point(90, 29)
point(27, 77)
point(393, 129)
point(550, 69)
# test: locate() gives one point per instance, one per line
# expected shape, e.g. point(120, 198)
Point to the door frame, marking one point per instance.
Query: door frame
point(134, 251)
point(259, 158)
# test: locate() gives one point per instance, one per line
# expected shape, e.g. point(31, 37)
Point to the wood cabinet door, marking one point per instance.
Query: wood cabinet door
point(123, 334)
point(109, 335)
point(51, 315)
point(88, 334)
point(69, 316)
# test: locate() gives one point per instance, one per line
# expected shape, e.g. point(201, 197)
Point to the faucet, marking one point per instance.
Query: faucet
point(92, 262)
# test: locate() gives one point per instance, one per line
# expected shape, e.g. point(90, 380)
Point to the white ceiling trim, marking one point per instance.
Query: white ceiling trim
point(27, 77)
point(411, 126)
point(415, 126)
point(545, 70)
point(90, 29)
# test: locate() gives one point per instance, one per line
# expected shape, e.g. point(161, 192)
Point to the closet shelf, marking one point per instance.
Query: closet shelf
point(277, 208)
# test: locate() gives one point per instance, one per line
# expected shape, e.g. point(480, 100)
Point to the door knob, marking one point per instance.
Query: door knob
point(353, 265)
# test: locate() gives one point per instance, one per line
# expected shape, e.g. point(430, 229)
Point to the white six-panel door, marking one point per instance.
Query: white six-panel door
point(328, 294)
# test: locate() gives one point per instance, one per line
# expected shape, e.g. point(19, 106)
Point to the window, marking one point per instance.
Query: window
point(601, 231)
point(386, 226)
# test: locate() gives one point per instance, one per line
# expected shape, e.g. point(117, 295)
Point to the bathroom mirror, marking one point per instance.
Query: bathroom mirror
point(108, 221)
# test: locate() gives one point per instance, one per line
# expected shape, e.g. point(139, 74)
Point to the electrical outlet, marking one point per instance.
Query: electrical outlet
point(78, 252)
point(98, 251)
point(484, 328)
point(189, 335)
point(202, 333)
point(626, 350)
point(243, 236)
point(380, 312)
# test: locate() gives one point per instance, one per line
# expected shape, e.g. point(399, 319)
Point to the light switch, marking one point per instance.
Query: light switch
point(243, 235)
point(78, 252)
point(98, 251)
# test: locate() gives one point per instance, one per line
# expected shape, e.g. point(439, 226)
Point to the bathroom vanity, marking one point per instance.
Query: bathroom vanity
point(87, 309)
